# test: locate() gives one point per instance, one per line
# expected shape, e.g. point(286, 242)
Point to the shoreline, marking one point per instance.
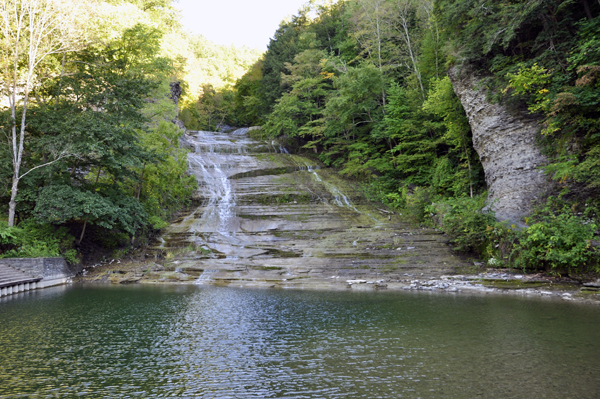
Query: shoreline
point(494, 282)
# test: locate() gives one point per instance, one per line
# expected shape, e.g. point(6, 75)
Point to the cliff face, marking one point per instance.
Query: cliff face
point(506, 146)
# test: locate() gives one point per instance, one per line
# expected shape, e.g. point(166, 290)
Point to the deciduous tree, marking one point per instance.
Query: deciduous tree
point(31, 31)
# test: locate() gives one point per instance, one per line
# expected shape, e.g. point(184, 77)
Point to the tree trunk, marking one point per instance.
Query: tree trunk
point(82, 232)
point(588, 12)
point(413, 56)
point(62, 73)
point(470, 177)
point(12, 205)
point(86, 219)
point(37, 30)
point(74, 168)
point(97, 177)
point(140, 186)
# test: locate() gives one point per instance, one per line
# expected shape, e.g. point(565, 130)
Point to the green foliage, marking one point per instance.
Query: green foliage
point(414, 138)
point(557, 240)
point(299, 111)
point(164, 187)
point(532, 81)
point(7, 234)
point(247, 103)
point(464, 219)
point(495, 35)
point(125, 163)
point(560, 243)
point(102, 120)
point(417, 202)
point(282, 49)
point(352, 110)
point(459, 171)
point(62, 203)
point(32, 240)
point(210, 111)
point(545, 54)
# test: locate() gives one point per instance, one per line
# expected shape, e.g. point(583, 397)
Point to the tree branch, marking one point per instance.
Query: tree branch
point(61, 156)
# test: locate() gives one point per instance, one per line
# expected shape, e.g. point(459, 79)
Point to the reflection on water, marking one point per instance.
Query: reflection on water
point(201, 342)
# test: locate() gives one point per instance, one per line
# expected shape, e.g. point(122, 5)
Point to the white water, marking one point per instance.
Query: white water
point(219, 163)
point(339, 198)
point(206, 276)
point(210, 163)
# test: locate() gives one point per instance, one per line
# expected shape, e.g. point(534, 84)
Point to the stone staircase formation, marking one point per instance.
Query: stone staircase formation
point(13, 281)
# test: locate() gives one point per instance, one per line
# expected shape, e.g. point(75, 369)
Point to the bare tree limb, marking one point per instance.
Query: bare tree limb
point(61, 156)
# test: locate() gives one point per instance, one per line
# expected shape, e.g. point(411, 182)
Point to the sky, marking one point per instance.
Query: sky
point(248, 23)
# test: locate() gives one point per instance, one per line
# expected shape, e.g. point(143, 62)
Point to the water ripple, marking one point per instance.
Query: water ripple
point(159, 342)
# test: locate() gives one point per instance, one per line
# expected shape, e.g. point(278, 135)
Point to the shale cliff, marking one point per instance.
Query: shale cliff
point(506, 146)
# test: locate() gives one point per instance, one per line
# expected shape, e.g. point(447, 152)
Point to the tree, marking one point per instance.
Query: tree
point(246, 101)
point(111, 95)
point(408, 26)
point(372, 33)
point(282, 48)
point(415, 138)
point(31, 30)
point(61, 203)
point(299, 111)
point(442, 102)
point(211, 107)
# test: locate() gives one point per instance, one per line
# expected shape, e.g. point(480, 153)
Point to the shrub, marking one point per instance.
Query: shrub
point(32, 240)
point(7, 234)
point(417, 202)
point(464, 219)
point(560, 243)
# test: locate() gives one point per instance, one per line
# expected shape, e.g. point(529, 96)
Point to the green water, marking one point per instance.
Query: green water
point(158, 342)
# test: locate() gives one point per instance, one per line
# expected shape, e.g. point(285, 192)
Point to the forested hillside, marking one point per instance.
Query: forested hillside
point(90, 93)
point(90, 97)
point(363, 84)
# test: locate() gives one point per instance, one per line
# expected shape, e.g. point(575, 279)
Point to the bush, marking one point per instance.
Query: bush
point(7, 234)
point(32, 240)
point(417, 202)
point(560, 243)
point(472, 229)
point(559, 240)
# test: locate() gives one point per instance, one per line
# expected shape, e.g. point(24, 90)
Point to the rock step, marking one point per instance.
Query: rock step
point(13, 281)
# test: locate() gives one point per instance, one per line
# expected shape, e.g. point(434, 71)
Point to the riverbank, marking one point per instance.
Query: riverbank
point(490, 281)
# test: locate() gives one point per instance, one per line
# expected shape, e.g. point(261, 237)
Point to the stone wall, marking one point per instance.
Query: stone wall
point(52, 271)
point(506, 144)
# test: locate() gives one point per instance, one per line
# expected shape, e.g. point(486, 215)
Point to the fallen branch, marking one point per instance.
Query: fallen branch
point(384, 211)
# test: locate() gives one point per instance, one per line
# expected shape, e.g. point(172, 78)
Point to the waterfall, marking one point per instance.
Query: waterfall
point(250, 190)
point(240, 132)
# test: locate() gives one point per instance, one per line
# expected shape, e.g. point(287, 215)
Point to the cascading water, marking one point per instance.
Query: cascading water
point(264, 212)
point(216, 188)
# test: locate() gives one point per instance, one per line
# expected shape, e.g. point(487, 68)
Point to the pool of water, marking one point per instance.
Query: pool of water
point(202, 342)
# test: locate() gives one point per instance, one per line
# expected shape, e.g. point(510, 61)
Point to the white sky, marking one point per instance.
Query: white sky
point(241, 22)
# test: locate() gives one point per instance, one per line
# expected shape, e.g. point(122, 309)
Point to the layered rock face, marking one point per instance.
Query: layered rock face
point(506, 146)
point(271, 219)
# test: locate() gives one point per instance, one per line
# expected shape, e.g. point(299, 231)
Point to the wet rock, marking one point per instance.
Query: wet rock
point(156, 268)
point(594, 284)
point(130, 280)
point(265, 218)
